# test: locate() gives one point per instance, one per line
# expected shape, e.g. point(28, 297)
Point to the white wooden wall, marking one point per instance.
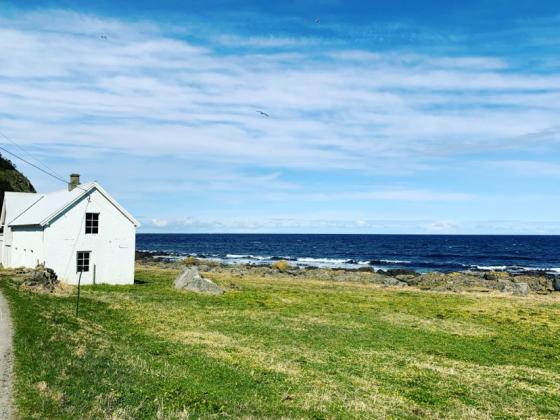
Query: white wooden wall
point(112, 249)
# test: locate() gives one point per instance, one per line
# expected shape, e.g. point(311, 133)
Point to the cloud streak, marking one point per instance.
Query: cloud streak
point(145, 92)
point(172, 113)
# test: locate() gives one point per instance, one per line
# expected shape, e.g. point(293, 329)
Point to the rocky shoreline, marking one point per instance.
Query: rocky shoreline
point(462, 281)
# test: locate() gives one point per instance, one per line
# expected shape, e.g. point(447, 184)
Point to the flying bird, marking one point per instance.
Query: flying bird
point(103, 37)
point(264, 114)
point(318, 20)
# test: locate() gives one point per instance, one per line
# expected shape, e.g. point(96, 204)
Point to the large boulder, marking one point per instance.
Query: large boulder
point(191, 280)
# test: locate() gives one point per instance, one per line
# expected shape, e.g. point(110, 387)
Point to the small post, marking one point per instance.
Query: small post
point(94, 273)
point(78, 299)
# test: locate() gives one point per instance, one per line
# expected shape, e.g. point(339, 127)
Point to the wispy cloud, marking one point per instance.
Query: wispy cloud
point(145, 92)
point(382, 195)
point(529, 168)
point(171, 112)
point(286, 225)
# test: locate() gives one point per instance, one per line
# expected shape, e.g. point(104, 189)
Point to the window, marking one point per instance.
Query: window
point(82, 261)
point(92, 223)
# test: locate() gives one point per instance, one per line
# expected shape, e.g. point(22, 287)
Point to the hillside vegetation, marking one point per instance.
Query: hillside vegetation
point(12, 180)
point(282, 348)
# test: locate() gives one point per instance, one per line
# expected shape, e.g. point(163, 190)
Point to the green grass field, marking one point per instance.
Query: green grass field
point(283, 348)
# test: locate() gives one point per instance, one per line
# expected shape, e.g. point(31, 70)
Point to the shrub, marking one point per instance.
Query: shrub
point(281, 265)
point(190, 261)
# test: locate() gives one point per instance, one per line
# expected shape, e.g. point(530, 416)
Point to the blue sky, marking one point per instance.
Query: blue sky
point(384, 117)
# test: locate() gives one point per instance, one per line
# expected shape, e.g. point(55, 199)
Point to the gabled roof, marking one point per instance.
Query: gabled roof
point(48, 207)
point(18, 203)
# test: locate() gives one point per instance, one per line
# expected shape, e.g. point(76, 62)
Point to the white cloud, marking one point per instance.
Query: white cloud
point(159, 223)
point(291, 225)
point(148, 110)
point(529, 168)
point(143, 92)
point(382, 195)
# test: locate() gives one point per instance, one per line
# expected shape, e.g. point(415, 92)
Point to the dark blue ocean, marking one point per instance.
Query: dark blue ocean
point(419, 252)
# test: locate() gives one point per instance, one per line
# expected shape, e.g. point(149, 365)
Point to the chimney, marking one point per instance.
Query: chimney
point(74, 181)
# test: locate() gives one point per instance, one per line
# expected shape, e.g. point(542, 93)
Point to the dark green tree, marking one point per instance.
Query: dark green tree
point(12, 180)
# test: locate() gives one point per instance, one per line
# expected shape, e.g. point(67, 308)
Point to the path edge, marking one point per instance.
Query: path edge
point(6, 360)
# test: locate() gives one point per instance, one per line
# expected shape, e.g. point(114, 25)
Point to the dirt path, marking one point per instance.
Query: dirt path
point(5, 360)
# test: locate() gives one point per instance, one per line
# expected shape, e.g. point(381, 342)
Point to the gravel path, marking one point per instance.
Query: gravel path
point(5, 360)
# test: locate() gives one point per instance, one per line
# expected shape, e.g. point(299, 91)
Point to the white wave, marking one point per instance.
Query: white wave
point(491, 267)
point(394, 261)
point(322, 260)
point(247, 257)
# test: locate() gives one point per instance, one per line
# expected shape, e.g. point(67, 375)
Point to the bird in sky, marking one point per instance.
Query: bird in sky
point(264, 114)
point(318, 20)
point(103, 37)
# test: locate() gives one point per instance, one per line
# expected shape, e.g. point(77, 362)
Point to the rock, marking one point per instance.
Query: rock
point(496, 275)
point(42, 277)
point(405, 277)
point(520, 288)
point(394, 272)
point(515, 288)
point(391, 281)
point(542, 284)
point(557, 282)
point(191, 280)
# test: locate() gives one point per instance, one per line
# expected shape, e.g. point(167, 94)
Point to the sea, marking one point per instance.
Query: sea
point(422, 253)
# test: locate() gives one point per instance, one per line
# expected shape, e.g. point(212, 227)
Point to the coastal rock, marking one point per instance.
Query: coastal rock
point(391, 281)
point(496, 275)
point(519, 288)
point(407, 278)
point(541, 284)
point(515, 288)
point(394, 272)
point(191, 280)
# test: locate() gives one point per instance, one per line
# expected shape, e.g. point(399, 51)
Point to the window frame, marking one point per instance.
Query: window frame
point(83, 257)
point(92, 223)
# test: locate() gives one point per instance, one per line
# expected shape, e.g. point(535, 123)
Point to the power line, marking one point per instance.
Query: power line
point(29, 154)
point(38, 167)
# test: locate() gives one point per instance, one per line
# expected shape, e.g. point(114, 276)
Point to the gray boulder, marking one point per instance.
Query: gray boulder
point(191, 280)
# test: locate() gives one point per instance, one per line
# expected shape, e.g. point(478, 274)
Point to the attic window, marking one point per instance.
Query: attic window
point(92, 223)
point(82, 261)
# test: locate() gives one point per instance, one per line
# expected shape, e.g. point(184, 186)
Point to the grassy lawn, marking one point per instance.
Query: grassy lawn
point(283, 348)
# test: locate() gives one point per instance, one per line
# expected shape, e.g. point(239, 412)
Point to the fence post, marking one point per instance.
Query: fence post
point(78, 299)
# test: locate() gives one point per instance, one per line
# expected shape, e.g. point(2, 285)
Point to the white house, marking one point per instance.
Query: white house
point(81, 232)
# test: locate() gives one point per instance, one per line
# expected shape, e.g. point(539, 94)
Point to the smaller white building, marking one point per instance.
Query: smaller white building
point(81, 232)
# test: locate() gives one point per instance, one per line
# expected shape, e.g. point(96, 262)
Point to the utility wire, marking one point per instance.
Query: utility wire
point(38, 167)
point(29, 154)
